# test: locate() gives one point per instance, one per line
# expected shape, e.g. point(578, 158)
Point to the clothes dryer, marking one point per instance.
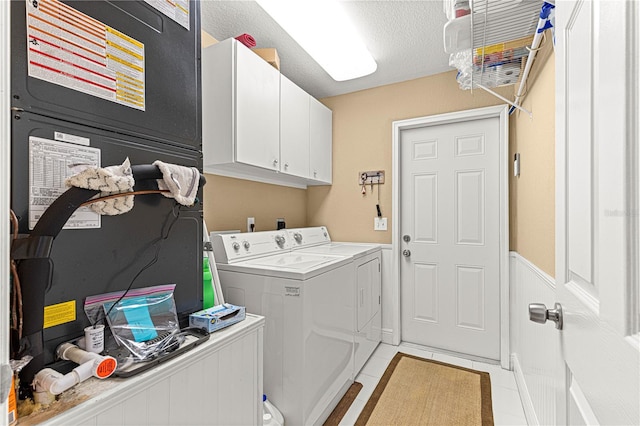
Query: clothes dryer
point(367, 276)
point(308, 303)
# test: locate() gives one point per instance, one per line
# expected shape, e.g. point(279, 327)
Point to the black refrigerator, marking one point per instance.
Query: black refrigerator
point(98, 82)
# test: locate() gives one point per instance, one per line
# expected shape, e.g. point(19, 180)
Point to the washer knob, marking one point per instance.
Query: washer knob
point(280, 240)
point(236, 246)
point(246, 245)
point(298, 237)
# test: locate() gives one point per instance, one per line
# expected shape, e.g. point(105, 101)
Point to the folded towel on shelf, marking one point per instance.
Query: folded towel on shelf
point(182, 182)
point(247, 40)
point(109, 181)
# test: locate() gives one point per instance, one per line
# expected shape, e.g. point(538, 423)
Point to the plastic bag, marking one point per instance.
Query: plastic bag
point(144, 321)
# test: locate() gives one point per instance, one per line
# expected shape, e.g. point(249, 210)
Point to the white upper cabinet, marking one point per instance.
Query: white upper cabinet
point(257, 110)
point(241, 108)
point(294, 129)
point(320, 140)
point(257, 124)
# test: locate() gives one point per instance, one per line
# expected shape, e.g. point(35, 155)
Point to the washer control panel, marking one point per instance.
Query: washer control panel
point(307, 237)
point(230, 248)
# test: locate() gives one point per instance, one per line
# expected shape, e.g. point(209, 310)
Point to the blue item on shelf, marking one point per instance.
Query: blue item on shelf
point(218, 317)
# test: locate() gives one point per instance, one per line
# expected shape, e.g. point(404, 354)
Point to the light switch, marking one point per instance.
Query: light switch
point(380, 224)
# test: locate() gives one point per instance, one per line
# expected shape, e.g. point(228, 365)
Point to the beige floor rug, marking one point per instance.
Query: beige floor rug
point(417, 391)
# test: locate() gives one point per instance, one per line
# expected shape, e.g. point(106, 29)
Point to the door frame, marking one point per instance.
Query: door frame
point(5, 187)
point(500, 111)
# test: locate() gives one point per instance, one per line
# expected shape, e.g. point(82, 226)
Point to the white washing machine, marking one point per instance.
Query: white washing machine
point(308, 302)
point(367, 272)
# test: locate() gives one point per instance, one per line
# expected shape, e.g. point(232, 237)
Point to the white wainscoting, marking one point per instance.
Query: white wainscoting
point(534, 347)
point(216, 383)
point(389, 305)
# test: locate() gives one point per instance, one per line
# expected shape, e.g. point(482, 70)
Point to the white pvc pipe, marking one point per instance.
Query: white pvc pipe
point(48, 383)
point(70, 352)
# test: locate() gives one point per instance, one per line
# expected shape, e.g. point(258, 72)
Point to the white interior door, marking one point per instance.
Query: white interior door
point(597, 211)
point(450, 228)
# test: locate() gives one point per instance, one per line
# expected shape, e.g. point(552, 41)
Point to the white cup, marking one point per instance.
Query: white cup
point(94, 338)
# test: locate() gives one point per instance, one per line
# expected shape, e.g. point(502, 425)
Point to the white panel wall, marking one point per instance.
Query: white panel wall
point(216, 383)
point(534, 347)
point(389, 313)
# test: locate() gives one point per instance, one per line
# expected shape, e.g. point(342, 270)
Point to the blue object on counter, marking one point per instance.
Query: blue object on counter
point(218, 317)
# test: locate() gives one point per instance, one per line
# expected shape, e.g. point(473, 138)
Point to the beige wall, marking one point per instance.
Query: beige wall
point(362, 141)
point(228, 202)
point(532, 195)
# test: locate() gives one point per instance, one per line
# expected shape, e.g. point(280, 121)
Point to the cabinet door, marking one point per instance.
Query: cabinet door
point(257, 110)
point(294, 129)
point(320, 131)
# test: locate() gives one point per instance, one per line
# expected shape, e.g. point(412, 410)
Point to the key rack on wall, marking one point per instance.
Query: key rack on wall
point(493, 42)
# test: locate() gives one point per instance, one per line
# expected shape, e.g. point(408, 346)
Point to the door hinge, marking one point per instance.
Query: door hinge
point(6, 374)
point(379, 301)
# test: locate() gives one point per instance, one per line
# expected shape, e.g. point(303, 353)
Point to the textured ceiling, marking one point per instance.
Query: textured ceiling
point(404, 37)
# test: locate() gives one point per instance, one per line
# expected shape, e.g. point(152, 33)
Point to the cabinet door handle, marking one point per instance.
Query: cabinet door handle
point(275, 163)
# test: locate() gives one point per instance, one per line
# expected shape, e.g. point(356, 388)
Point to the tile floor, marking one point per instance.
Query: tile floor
point(507, 408)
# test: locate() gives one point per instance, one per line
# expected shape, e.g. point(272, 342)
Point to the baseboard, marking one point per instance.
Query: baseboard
point(525, 397)
point(387, 336)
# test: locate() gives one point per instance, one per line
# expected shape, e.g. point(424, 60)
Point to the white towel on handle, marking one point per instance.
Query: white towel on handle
point(108, 180)
point(182, 182)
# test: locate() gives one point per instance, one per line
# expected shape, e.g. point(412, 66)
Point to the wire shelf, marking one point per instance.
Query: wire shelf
point(490, 39)
point(494, 23)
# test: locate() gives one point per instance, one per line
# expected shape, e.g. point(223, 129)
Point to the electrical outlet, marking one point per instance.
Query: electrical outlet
point(380, 224)
point(251, 221)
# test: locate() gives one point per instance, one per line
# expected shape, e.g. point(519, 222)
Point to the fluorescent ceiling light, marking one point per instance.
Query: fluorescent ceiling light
point(323, 29)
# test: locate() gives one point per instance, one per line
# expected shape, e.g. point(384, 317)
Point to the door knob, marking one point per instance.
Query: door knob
point(406, 238)
point(406, 252)
point(538, 312)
